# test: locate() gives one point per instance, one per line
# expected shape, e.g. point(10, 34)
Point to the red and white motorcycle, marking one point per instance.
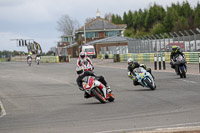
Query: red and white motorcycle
point(91, 86)
point(86, 66)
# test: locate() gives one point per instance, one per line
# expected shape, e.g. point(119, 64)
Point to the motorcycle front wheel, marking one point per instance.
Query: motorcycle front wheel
point(149, 84)
point(183, 72)
point(98, 95)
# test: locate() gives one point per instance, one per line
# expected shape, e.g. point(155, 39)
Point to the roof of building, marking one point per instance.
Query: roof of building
point(109, 40)
point(101, 24)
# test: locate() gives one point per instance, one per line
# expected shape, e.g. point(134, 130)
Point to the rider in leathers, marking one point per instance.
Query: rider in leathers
point(131, 66)
point(82, 74)
point(175, 51)
point(82, 58)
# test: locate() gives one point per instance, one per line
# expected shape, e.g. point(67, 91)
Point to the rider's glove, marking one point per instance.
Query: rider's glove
point(80, 88)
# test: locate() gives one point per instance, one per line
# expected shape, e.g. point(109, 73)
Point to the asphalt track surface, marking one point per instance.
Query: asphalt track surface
point(46, 99)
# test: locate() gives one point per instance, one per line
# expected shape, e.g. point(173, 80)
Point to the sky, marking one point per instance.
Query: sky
point(37, 19)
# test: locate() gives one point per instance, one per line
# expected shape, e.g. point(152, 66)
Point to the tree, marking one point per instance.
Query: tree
point(67, 25)
point(197, 16)
point(158, 28)
point(156, 14)
point(125, 18)
point(170, 19)
point(130, 19)
point(181, 24)
point(89, 20)
point(108, 16)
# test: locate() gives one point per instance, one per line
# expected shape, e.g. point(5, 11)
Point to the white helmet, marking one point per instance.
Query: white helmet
point(130, 60)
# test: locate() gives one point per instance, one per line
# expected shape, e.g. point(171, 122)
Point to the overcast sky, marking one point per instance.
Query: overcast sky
point(37, 19)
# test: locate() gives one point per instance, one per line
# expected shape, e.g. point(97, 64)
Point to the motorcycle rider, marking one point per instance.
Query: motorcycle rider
point(175, 51)
point(83, 57)
point(82, 74)
point(37, 57)
point(29, 57)
point(131, 66)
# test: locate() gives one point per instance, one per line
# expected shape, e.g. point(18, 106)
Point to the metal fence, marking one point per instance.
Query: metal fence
point(114, 50)
point(188, 41)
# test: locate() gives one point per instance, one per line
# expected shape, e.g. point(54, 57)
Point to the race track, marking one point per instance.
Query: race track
point(46, 99)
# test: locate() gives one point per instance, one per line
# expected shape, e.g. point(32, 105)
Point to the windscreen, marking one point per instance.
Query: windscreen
point(89, 50)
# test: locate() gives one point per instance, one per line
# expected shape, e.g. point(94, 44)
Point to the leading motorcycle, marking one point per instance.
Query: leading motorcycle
point(90, 86)
point(38, 60)
point(144, 78)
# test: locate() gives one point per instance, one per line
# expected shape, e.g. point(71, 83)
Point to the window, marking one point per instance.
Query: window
point(92, 34)
point(111, 33)
point(89, 50)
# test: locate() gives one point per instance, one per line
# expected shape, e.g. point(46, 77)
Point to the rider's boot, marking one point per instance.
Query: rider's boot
point(86, 95)
point(108, 89)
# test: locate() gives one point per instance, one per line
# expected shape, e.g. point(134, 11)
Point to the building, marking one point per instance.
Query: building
point(95, 29)
point(111, 45)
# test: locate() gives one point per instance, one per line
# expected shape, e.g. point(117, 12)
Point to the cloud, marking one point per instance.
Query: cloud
point(38, 18)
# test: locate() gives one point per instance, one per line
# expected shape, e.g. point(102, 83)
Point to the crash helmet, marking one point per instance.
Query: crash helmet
point(130, 61)
point(79, 70)
point(82, 55)
point(174, 49)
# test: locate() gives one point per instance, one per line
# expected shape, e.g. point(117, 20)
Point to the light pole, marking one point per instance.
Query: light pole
point(84, 34)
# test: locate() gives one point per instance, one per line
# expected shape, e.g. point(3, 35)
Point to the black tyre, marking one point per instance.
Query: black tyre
point(98, 95)
point(149, 84)
point(111, 98)
point(183, 73)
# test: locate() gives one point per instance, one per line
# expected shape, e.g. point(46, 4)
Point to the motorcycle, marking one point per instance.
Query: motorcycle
point(180, 66)
point(144, 78)
point(38, 60)
point(29, 61)
point(86, 66)
point(90, 87)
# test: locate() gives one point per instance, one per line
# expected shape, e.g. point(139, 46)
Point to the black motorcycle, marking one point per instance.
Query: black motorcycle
point(180, 66)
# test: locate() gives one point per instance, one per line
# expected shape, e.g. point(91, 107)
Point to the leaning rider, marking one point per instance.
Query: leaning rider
point(131, 66)
point(175, 51)
point(82, 74)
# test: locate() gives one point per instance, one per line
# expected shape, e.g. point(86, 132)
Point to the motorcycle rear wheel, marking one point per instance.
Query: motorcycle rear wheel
point(111, 98)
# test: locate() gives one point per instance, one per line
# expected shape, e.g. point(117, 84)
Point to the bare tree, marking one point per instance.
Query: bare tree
point(108, 16)
point(87, 20)
point(67, 25)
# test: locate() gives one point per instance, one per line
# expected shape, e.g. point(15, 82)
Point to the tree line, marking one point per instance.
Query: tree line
point(157, 19)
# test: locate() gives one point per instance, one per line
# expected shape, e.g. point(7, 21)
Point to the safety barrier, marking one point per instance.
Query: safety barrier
point(49, 59)
point(44, 59)
point(191, 57)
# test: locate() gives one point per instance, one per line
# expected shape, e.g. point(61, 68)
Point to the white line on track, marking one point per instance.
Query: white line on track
point(188, 81)
point(3, 112)
point(175, 126)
